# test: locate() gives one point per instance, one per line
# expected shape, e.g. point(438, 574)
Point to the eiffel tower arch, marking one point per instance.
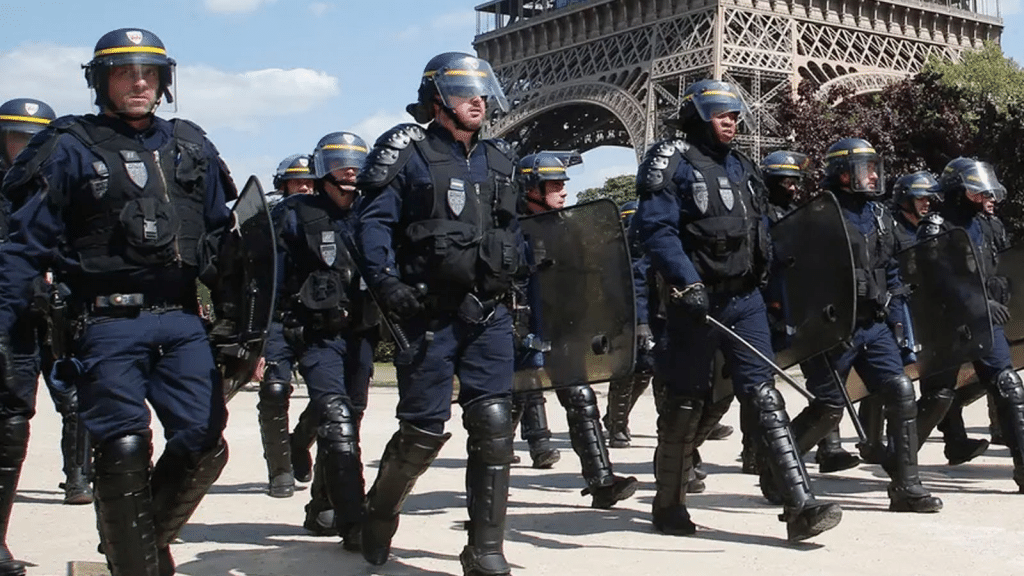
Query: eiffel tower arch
point(587, 73)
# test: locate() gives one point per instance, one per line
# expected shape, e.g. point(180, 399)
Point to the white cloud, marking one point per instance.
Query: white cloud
point(49, 73)
point(371, 127)
point(319, 8)
point(453, 25)
point(235, 6)
point(241, 101)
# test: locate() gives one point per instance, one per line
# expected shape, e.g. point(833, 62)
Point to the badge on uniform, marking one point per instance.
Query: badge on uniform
point(328, 249)
point(700, 196)
point(456, 195)
point(135, 168)
point(725, 192)
point(99, 185)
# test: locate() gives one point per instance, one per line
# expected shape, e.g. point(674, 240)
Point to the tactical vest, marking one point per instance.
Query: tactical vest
point(320, 285)
point(871, 256)
point(993, 242)
point(730, 241)
point(145, 208)
point(905, 237)
point(458, 237)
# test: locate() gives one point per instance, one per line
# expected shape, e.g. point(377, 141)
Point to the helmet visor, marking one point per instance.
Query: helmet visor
point(466, 79)
point(711, 103)
point(339, 156)
point(867, 175)
point(12, 142)
point(981, 179)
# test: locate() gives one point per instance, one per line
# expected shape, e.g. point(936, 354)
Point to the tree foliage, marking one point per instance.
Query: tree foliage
point(620, 189)
point(923, 122)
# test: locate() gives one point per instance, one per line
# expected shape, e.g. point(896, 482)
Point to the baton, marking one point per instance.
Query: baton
point(775, 367)
point(401, 340)
point(857, 425)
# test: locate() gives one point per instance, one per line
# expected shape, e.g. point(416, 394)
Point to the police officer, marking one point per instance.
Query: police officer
point(913, 197)
point(783, 172)
point(853, 172)
point(700, 218)
point(20, 119)
point(441, 211)
point(624, 392)
point(326, 318)
point(970, 190)
point(544, 176)
point(293, 176)
point(127, 208)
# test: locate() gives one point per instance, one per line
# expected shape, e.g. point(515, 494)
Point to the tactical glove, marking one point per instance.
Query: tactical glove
point(1000, 313)
point(692, 301)
point(399, 298)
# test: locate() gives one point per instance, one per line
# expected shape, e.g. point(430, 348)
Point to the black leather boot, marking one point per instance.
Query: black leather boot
point(273, 416)
point(13, 445)
point(819, 424)
point(673, 463)
point(75, 448)
point(406, 457)
point(342, 468)
point(528, 410)
point(604, 486)
point(805, 516)
point(616, 418)
point(489, 448)
point(872, 418)
point(906, 494)
point(931, 409)
point(180, 481)
point(301, 441)
point(124, 506)
point(319, 512)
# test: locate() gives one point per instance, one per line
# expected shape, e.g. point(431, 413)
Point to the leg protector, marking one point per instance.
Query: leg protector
point(179, 483)
point(994, 428)
point(301, 440)
point(124, 505)
point(342, 467)
point(748, 428)
point(1010, 403)
point(872, 416)
point(673, 463)
point(74, 446)
point(581, 412)
point(273, 415)
point(906, 494)
point(931, 409)
point(406, 457)
point(489, 448)
point(535, 431)
point(13, 445)
point(814, 423)
point(805, 516)
point(616, 419)
point(319, 513)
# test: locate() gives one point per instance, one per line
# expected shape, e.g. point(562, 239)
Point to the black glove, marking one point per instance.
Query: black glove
point(1000, 313)
point(691, 300)
point(399, 298)
point(644, 337)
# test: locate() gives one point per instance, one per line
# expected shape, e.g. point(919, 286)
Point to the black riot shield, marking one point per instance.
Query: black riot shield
point(812, 286)
point(581, 295)
point(948, 306)
point(250, 247)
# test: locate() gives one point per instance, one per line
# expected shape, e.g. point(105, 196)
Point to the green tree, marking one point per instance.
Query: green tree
point(986, 74)
point(620, 189)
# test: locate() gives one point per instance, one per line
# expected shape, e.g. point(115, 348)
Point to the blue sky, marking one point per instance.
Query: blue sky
point(268, 78)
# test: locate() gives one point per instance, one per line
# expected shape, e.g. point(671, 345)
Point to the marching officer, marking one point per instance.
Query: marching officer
point(442, 245)
point(701, 221)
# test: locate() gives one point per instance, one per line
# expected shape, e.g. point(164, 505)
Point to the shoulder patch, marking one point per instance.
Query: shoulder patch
point(389, 154)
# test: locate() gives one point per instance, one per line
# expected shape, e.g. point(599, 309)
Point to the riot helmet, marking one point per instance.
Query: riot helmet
point(337, 151)
point(294, 167)
point(129, 47)
point(626, 213)
point(453, 75)
point(964, 177)
point(783, 171)
point(857, 160)
point(705, 99)
point(536, 170)
point(20, 118)
point(912, 187)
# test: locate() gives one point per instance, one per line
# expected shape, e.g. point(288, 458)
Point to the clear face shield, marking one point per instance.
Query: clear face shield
point(981, 180)
point(466, 79)
point(126, 78)
point(12, 142)
point(338, 157)
point(711, 103)
point(867, 174)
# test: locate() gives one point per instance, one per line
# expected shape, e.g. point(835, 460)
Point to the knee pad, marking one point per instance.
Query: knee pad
point(899, 395)
point(1009, 386)
point(579, 401)
point(489, 425)
point(275, 392)
point(770, 406)
point(13, 441)
point(338, 423)
point(122, 465)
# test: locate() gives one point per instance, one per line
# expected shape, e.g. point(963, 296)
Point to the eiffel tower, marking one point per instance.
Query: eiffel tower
point(587, 73)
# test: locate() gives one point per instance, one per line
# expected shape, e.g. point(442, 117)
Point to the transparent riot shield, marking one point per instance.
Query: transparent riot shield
point(250, 253)
point(580, 295)
point(812, 284)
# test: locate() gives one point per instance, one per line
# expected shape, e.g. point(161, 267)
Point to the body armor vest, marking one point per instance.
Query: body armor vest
point(458, 232)
point(906, 233)
point(146, 206)
point(730, 241)
point(871, 256)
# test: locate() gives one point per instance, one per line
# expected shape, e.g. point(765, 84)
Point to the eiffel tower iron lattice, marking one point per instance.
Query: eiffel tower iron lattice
point(586, 73)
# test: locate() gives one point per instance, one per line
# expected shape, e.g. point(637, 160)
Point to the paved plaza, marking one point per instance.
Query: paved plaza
point(238, 530)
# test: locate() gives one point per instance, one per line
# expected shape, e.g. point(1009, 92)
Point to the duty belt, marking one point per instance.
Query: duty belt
point(731, 286)
point(117, 304)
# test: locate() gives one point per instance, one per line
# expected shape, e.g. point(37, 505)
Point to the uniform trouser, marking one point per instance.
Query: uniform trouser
point(275, 391)
point(165, 359)
point(481, 355)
